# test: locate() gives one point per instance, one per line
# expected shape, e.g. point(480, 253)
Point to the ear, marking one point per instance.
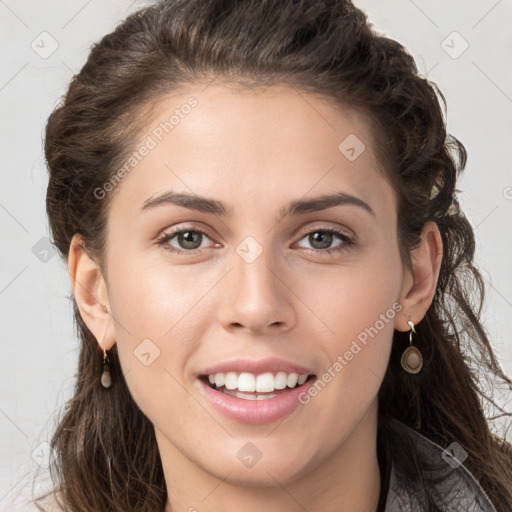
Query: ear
point(90, 291)
point(419, 286)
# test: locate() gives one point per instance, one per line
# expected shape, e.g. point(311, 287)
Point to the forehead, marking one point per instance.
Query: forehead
point(244, 145)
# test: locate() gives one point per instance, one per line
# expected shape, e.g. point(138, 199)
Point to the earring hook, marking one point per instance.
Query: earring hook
point(412, 331)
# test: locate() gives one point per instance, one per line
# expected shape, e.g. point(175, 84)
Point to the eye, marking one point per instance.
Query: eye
point(188, 238)
point(323, 238)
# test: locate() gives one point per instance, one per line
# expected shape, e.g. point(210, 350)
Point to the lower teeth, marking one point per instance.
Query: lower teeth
point(247, 396)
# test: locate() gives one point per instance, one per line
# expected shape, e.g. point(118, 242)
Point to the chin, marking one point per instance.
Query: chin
point(268, 471)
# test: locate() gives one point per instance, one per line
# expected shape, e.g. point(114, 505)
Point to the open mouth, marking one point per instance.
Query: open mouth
point(279, 389)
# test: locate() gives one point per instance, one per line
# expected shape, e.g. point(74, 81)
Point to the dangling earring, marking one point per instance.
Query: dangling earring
point(411, 361)
point(106, 379)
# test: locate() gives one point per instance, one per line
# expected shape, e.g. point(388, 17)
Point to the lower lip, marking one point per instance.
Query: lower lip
point(256, 411)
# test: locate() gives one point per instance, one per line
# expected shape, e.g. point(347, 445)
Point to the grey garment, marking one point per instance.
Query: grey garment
point(452, 487)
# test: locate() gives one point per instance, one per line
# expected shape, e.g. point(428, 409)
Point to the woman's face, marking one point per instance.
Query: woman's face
point(258, 285)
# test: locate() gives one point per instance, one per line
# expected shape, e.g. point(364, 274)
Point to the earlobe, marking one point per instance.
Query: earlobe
point(420, 286)
point(90, 291)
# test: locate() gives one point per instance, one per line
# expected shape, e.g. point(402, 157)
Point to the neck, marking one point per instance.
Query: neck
point(347, 480)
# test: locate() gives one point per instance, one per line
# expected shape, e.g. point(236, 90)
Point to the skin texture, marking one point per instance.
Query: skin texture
point(256, 151)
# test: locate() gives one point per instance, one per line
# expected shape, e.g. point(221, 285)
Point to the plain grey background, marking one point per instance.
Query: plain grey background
point(463, 46)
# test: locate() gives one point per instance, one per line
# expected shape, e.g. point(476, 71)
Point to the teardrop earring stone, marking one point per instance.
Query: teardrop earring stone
point(412, 361)
point(106, 379)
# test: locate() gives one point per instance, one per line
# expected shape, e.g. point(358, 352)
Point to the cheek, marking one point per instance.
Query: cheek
point(153, 299)
point(356, 308)
point(155, 322)
point(347, 300)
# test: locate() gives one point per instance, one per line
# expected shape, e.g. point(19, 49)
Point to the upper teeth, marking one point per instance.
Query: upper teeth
point(263, 383)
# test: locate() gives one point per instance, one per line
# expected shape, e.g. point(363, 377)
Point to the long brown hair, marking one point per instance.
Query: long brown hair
point(105, 453)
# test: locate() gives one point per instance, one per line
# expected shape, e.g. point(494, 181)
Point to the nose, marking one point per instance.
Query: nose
point(257, 296)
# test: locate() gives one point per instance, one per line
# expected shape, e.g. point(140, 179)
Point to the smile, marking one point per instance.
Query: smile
point(256, 399)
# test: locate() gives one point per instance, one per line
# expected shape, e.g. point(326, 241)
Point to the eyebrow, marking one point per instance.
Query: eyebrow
point(298, 207)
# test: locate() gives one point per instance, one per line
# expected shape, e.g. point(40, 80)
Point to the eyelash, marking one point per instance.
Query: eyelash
point(348, 242)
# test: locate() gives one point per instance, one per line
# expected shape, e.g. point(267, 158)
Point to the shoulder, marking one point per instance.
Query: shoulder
point(450, 484)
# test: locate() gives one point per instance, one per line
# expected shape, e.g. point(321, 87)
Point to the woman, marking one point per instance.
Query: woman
point(271, 272)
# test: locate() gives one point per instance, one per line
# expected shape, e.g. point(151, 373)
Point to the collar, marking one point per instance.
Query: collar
point(450, 484)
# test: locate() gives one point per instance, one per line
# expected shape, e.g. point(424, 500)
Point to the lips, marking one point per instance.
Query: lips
point(270, 388)
point(272, 365)
point(259, 409)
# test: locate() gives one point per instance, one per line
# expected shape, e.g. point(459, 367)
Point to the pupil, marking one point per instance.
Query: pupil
point(326, 236)
point(185, 238)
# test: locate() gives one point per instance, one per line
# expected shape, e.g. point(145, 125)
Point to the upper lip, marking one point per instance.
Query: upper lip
point(271, 364)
